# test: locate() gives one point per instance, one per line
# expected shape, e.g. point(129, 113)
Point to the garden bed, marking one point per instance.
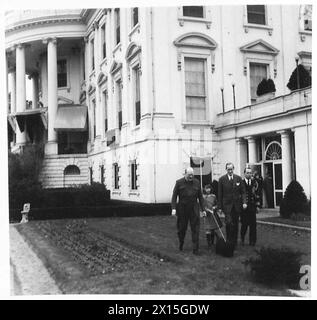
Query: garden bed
point(140, 255)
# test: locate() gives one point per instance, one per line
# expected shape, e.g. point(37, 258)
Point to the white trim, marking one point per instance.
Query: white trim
point(206, 19)
point(208, 86)
point(268, 21)
point(270, 71)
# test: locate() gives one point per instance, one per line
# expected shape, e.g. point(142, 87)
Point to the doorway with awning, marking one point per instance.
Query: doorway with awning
point(72, 128)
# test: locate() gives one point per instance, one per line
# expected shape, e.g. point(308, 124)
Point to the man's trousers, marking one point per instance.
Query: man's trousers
point(187, 213)
point(232, 226)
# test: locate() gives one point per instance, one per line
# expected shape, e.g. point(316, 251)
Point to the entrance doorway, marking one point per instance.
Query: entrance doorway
point(273, 183)
point(273, 175)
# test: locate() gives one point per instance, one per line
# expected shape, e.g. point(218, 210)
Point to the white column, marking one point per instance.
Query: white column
point(6, 84)
point(35, 90)
point(242, 155)
point(12, 85)
point(20, 90)
point(286, 158)
point(252, 150)
point(51, 147)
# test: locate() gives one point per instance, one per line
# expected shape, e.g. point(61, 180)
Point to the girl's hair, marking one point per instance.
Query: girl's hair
point(208, 186)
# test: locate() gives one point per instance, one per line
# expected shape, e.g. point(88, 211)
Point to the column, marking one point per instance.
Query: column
point(20, 90)
point(35, 90)
point(242, 155)
point(51, 147)
point(252, 150)
point(12, 77)
point(6, 84)
point(286, 158)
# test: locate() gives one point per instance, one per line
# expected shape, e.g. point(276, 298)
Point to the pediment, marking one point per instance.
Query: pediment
point(101, 78)
point(132, 50)
point(259, 46)
point(91, 89)
point(115, 67)
point(195, 39)
point(63, 100)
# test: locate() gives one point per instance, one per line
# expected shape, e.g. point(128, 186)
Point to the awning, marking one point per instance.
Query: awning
point(31, 116)
point(12, 122)
point(71, 118)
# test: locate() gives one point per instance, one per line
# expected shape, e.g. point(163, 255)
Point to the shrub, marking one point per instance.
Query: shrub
point(265, 86)
point(23, 170)
point(276, 266)
point(294, 200)
point(304, 78)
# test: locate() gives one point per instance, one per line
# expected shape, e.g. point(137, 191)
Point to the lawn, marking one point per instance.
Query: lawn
point(140, 255)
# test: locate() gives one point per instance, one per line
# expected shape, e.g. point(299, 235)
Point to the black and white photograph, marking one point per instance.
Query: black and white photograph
point(158, 149)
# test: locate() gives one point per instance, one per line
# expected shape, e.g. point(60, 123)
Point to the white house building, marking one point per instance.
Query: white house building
point(130, 97)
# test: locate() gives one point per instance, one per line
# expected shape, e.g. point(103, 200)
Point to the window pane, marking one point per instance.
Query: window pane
point(135, 18)
point(256, 14)
point(117, 26)
point(61, 73)
point(258, 72)
point(195, 89)
point(194, 11)
point(195, 108)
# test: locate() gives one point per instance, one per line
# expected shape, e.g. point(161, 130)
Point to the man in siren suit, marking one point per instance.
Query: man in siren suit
point(188, 191)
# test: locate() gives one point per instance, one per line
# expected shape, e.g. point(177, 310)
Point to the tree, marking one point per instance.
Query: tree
point(294, 200)
point(265, 86)
point(304, 78)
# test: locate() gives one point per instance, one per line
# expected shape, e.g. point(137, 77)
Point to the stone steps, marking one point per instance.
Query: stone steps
point(52, 174)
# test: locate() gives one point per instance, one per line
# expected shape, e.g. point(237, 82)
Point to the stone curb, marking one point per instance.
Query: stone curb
point(284, 225)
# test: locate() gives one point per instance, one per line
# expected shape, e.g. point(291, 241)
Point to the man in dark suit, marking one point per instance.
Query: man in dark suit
point(248, 215)
point(187, 190)
point(231, 200)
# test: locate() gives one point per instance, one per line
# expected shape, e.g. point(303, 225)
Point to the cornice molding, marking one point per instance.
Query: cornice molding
point(44, 21)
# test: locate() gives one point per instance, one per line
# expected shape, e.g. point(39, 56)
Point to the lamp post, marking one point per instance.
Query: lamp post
point(223, 102)
point(234, 96)
point(297, 72)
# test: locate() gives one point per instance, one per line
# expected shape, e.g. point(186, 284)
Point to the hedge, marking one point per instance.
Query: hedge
point(113, 209)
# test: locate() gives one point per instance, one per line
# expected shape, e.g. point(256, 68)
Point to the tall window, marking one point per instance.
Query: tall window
point(135, 16)
point(116, 175)
point(133, 175)
point(256, 14)
point(102, 174)
point(195, 89)
point(194, 11)
point(137, 102)
point(94, 116)
point(308, 17)
point(117, 25)
point(119, 103)
point(105, 96)
point(103, 41)
point(258, 72)
point(61, 73)
point(92, 54)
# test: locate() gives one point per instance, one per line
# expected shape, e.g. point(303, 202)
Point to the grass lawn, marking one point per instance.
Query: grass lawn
point(140, 255)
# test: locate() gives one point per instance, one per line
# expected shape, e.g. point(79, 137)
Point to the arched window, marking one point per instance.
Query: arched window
point(273, 151)
point(71, 170)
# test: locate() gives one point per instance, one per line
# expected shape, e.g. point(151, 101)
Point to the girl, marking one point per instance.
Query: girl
point(210, 202)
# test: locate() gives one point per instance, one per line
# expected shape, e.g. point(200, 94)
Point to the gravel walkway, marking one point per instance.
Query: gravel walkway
point(28, 274)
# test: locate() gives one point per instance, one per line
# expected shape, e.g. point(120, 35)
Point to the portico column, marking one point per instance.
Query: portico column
point(242, 155)
point(286, 158)
point(12, 90)
point(20, 90)
point(35, 90)
point(252, 149)
point(51, 146)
